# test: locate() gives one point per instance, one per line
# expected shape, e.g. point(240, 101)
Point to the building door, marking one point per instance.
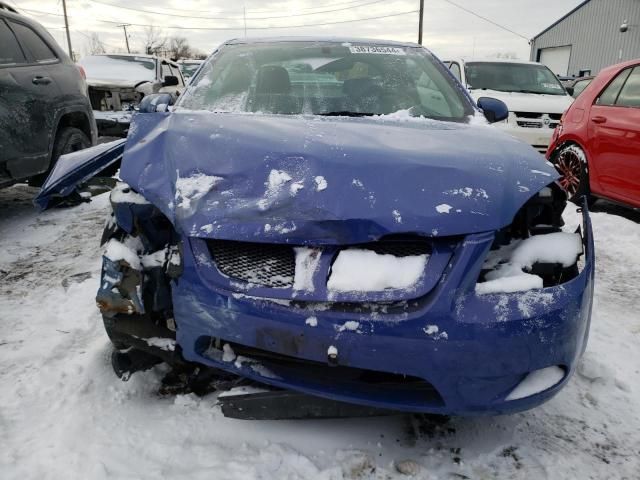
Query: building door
point(556, 58)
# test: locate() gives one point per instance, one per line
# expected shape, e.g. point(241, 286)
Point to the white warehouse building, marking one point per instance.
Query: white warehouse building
point(594, 35)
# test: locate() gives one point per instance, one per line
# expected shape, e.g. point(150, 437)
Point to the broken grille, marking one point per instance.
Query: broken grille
point(398, 249)
point(269, 265)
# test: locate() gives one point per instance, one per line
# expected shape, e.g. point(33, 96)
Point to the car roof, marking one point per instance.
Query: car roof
point(360, 41)
point(139, 55)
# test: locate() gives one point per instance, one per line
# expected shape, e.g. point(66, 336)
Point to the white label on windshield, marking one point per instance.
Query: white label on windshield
point(552, 85)
point(377, 50)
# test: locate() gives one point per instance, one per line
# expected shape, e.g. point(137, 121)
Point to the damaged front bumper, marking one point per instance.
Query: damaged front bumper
point(113, 123)
point(449, 352)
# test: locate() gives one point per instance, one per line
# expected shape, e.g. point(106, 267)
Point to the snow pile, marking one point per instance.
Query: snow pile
point(356, 270)
point(321, 183)
point(122, 193)
point(443, 208)
point(190, 189)
point(307, 260)
point(537, 382)
point(275, 183)
point(168, 344)
point(510, 263)
point(117, 251)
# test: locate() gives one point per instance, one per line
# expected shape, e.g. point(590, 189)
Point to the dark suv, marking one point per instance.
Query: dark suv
point(44, 108)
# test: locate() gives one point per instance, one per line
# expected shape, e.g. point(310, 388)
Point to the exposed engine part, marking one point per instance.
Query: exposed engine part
point(114, 99)
point(540, 216)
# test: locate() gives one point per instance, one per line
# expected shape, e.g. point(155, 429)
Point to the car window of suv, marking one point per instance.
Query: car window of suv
point(610, 94)
point(31, 41)
point(630, 93)
point(166, 70)
point(10, 53)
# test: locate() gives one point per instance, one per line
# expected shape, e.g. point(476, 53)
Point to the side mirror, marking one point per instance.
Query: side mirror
point(570, 90)
point(156, 102)
point(170, 81)
point(494, 110)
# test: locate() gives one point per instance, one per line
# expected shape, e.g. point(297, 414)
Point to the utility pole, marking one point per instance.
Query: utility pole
point(420, 22)
point(126, 37)
point(244, 9)
point(66, 26)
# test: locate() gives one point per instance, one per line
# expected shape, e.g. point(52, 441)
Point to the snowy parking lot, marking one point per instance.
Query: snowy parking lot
point(64, 414)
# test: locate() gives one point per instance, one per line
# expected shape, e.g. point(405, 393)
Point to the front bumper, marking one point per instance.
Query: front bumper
point(538, 138)
point(112, 124)
point(483, 347)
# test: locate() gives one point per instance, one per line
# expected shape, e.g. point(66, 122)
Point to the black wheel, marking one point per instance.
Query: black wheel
point(571, 163)
point(68, 140)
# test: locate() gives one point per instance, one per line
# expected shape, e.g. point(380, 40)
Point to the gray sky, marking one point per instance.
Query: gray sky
point(448, 30)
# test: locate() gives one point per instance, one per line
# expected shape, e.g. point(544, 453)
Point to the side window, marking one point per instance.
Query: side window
point(630, 93)
point(10, 53)
point(610, 94)
point(166, 70)
point(455, 69)
point(31, 41)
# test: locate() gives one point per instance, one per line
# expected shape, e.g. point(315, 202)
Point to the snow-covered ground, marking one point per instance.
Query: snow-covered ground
point(64, 414)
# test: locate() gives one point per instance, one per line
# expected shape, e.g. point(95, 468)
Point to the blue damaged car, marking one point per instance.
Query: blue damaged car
point(336, 218)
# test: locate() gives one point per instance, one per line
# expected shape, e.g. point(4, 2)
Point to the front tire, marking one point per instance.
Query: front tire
point(68, 140)
point(571, 163)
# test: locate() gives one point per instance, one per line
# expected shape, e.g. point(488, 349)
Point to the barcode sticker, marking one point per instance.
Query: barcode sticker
point(377, 50)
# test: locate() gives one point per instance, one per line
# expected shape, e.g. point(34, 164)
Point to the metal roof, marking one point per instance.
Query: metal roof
point(562, 18)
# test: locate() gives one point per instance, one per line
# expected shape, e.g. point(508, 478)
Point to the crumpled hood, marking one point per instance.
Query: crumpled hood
point(111, 83)
point(527, 102)
point(328, 179)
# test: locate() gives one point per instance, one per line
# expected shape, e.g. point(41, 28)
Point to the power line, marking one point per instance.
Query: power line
point(239, 12)
point(176, 27)
point(154, 12)
point(485, 19)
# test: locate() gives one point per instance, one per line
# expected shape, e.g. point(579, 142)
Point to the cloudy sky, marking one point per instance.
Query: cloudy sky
point(449, 30)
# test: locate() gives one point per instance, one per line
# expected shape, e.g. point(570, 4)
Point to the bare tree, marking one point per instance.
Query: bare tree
point(96, 47)
point(507, 55)
point(179, 48)
point(155, 41)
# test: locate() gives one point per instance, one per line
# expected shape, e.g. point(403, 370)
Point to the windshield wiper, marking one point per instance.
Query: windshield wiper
point(347, 113)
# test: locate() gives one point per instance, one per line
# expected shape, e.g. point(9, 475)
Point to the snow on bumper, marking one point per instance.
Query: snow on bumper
point(450, 352)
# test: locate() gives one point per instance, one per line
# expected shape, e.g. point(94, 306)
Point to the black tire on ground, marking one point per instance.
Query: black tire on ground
point(571, 162)
point(68, 140)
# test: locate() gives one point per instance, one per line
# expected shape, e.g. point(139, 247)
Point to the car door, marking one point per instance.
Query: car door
point(29, 92)
point(614, 136)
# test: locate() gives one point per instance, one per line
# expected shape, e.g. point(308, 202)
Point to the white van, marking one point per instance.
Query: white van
point(535, 97)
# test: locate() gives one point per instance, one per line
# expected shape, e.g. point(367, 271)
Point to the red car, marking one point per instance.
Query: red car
point(596, 146)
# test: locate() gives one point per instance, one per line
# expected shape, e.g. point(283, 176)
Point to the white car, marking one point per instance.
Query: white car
point(118, 82)
point(535, 97)
point(189, 67)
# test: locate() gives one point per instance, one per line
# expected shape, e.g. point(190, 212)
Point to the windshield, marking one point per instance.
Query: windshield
point(325, 78)
point(188, 69)
point(119, 67)
point(513, 77)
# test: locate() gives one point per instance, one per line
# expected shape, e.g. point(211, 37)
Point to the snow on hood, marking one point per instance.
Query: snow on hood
point(527, 102)
point(329, 180)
